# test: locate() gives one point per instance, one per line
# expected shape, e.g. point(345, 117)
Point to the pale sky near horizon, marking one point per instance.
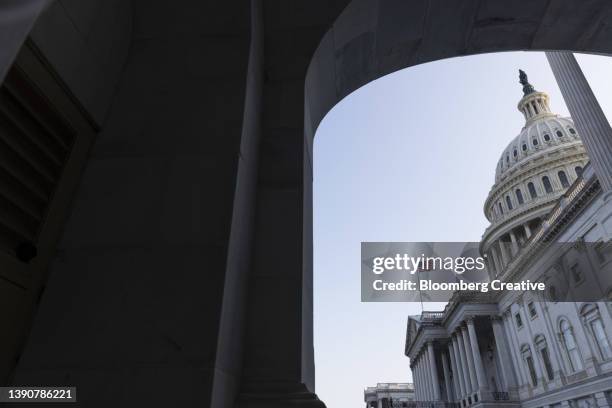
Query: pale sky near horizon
point(409, 157)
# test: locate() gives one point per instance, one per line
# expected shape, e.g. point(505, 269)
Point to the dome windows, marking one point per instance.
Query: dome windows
point(563, 179)
point(524, 147)
point(546, 183)
point(515, 153)
point(532, 191)
point(547, 137)
point(535, 142)
point(519, 196)
point(572, 131)
point(501, 208)
point(559, 133)
point(578, 171)
point(509, 202)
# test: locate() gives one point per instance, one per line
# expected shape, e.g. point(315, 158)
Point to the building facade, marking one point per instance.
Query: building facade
point(389, 395)
point(515, 348)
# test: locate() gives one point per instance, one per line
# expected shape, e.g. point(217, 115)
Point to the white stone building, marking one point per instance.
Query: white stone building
point(389, 395)
point(516, 348)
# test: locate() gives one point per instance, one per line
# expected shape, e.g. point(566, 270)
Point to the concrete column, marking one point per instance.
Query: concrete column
point(459, 368)
point(447, 379)
point(434, 372)
point(470, 358)
point(481, 377)
point(464, 364)
point(498, 266)
point(521, 377)
point(515, 247)
point(527, 230)
point(590, 121)
point(503, 353)
point(453, 360)
point(504, 252)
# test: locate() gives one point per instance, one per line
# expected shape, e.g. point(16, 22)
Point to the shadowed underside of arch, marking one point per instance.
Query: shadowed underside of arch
point(197, 169)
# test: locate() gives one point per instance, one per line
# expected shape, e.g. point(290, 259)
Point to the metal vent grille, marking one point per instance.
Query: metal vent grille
point(35, 143)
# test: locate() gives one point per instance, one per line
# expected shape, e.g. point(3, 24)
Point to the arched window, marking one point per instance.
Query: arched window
point(571, 349)
point(532, 190)
point(563, 179)
point(542, 347)
point(514, 153)
point(509, 202)
point(559, 133)
point(578, 170)
point(507, 158)
point(519, 196)
point(535, 142)
point(572, 131)
point(547, 186)
point(591, 316)
point(501, 209)
point(528, 358)
point(547, 137)
point(524, 146)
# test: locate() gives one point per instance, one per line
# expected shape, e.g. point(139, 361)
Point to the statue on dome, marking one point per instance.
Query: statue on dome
point(527, 87)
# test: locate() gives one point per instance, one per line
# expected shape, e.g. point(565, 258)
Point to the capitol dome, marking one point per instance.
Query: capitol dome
point(534, 171)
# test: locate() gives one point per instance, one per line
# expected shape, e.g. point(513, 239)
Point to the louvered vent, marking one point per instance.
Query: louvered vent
point(35, 143)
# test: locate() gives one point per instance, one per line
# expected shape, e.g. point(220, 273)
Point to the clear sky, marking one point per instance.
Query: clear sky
point(409, 157)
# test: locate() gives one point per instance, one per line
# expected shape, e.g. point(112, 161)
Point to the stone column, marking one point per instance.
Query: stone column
point(504, 252)
point(480, 373)
point(498, 266)
point(419, 383)
point(515, 247)
point(459, 368)
point(464, 363)
point(434, 371)
point(591, 123)
point(453, 360)
point(503, 353)
point(447, 380)
point(515, 352)
point(470, 358)
point(490, 265)
point(415, 382)
point(527, 230)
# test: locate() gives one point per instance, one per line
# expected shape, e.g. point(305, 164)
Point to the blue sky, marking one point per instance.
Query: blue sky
point(409, 157)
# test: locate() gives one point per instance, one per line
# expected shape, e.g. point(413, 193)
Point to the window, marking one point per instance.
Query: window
point(519, 196)
point(501, 209)
point(524, 146)
point(519, 320)
point(559, 133)
point(535, 142)
point(507, 159)
point(592, 319)
point(514, 153)
point(576, 273)
point(509, 202)
point(572, 131)
point(547, 186)
point(547, 137)
point(532, 190)
point(532, 309)
point(578, 170)
point(571, 348)
point(563, 179)
point(532, 373)
point(547, 364)
point(601, 339)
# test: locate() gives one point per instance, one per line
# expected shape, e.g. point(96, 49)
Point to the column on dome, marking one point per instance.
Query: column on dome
point(447, 379)
point(481, 377)
point(504, 252)
point(590, 120)
point(496, 260)
point(515, 247)
point(490, 264)
point(527, 230)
